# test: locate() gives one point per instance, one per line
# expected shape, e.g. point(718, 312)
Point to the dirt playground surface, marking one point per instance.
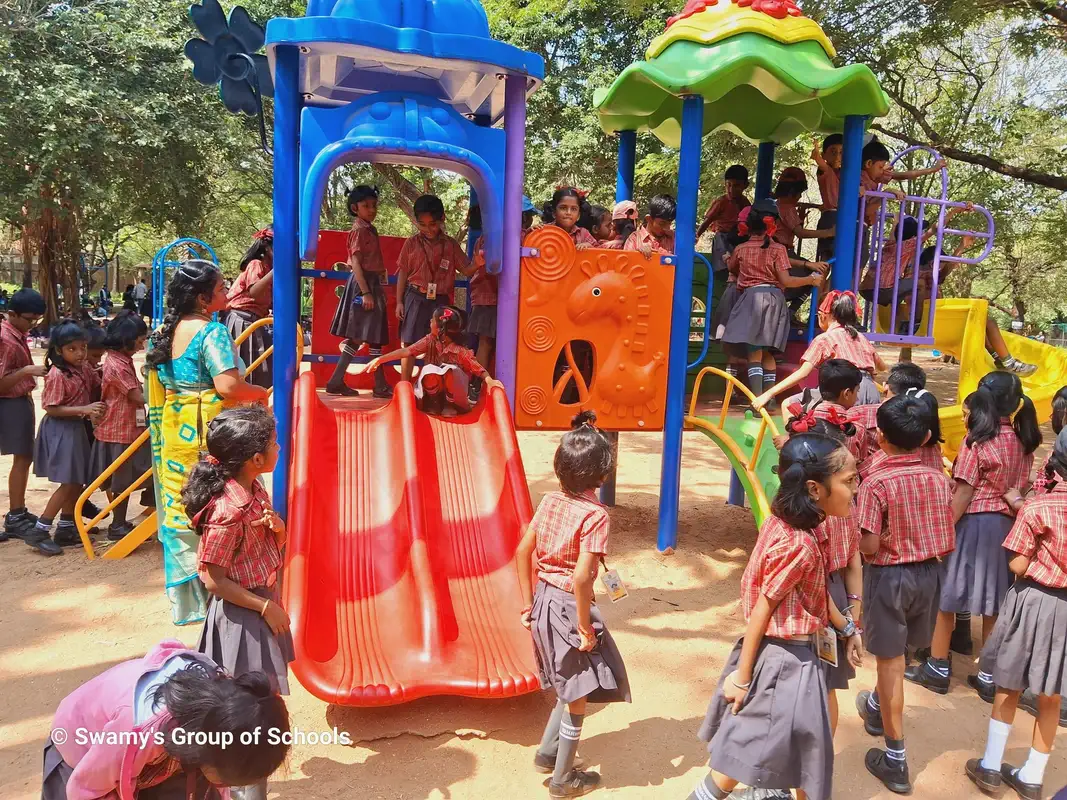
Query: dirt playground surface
point(63, 620)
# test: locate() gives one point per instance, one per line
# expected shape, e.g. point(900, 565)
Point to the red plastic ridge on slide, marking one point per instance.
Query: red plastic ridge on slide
point(400, 571)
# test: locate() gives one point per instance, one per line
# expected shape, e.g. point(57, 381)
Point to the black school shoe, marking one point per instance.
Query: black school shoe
point(67, 536)
point(1028, 701)
point(341, 390)
point(118, 532)
point(924, 675)
point(1027, 791)
point(892, 773)
point(575, 784)
point(546, 764)
point(987, 691)
point(872, 722)
point(988, 780)
point(13, 528)
point(41, 542)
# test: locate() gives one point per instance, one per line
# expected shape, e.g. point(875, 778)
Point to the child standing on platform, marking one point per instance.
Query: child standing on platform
point(723, 247)
point(758, 325)
point(564, 210)
point(426, 274)
point(124, 418)
point(722, 215)
point(995, 458)
point(576, 654)
point(774, 679)
point(18, 378)
point(623, 223)
point(61, 453)
point(599, 223)
point(828, 160)
point(248, 300)
point(905, 519)
point(839, 320)
point(361, 314)
point(447, 366)
point(1027, 649)
point(657, 234)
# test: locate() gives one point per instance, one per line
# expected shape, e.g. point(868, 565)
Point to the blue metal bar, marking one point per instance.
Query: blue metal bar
point(287, 102)
point(624, 176)
point(764, 170)
point(846, 239)
point(707, 315)
point(736, 494)
point(507, 310)
point(681, 309)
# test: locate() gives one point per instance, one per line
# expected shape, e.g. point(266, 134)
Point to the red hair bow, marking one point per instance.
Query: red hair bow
point(580, 192)
point(835, 417)
point(265, 233)
point(802, 421)
point(771, 225)
point(446, 314)
point(832, 297)
point(742, 228)
point(210, 459)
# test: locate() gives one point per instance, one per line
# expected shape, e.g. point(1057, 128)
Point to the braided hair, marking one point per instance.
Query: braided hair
point(193, 281)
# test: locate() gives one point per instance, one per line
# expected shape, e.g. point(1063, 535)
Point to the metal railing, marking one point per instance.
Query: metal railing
point(132, 540)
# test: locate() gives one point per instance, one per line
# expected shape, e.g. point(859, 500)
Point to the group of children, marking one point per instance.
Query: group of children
point(94, 409)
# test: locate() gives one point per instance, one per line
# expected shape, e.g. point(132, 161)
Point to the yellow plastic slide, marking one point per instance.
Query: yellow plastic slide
point(959, 329)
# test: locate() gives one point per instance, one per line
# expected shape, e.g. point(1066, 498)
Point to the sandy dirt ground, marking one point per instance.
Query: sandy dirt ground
point(65, 619)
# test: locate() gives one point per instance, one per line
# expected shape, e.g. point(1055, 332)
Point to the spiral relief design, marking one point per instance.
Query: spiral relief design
point(557, 253)
point(533, 400)
point(539, 334)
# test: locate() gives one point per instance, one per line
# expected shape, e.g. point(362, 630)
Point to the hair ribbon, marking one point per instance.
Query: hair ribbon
point(832, 297)
point(265, 233)
point(802, 421)
point(771, 225)
point(210, 459)
point(742, 228)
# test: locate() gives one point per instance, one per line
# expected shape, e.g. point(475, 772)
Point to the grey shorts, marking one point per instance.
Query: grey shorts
point(16, 426)
point(900, 606)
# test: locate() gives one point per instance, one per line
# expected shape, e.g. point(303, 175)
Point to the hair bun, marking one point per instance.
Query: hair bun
point(255, 683)
point(584, 418)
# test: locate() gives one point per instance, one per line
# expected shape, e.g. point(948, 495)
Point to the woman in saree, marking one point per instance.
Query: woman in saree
point(194, 372)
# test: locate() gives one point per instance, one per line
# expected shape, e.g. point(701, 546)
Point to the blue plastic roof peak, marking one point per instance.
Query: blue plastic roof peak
point(438, 48)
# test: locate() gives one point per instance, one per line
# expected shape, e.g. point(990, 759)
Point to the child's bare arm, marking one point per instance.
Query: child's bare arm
point(961, 498)
point(136, 396)
point(584, 572)
point(791, 282)
point(817, 157)
point(869, 543)
point(1019, 564)
point(910, 174)
point(524, 562)
point(374, 363)
point(735, 687)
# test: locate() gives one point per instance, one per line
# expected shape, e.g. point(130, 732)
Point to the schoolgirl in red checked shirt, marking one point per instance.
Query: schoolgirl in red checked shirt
point(993, 463)
point(773, 679)
point(576, 654)
point(1027, 649)
point(565, 210)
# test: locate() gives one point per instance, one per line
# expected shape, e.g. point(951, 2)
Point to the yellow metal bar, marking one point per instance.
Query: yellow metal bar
point(132, 540)
point(726, 441)
point(83, 526)
point(756, 448)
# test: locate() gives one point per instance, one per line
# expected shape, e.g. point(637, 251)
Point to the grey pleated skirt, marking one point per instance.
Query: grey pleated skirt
point(839, 676)
point(781, 738)
point(57, 773)
point(61, 453)
point(103, 455)
point(252, 347)
point(357, 324)
point(599, 675)
point(976, 575)
point(482, 321)
point(418, 309)
point(239, 640)
point(759, 319)
point(721, 312)
point(1028, 646)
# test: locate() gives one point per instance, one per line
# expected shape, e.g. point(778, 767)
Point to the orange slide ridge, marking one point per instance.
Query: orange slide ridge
point(400, 574)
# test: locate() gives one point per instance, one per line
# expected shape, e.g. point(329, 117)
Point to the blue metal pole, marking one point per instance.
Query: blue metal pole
point(764, 170)
point(848, 204)
point(624, 190)
point(624, 176)
point(736, 494)
point(507, 313)
point(287, 103)
point(681, 309)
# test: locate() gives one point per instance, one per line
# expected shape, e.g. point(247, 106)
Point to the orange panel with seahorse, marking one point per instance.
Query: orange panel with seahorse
point(594, 333)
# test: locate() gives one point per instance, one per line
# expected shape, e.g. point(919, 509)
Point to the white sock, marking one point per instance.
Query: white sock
point(985, 677)
point(1033, 771)
point(995, 744)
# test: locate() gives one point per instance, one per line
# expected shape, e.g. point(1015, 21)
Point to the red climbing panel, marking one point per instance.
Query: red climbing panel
point(594, 333)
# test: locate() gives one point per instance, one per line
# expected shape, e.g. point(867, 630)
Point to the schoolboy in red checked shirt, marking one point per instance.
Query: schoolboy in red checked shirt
point(904, 512)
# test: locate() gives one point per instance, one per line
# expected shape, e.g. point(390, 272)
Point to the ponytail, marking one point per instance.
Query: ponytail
point(933, 413)
point(1005, 398)
point(805, 457)
point(193, 281)
point(1026, 425)
point(585, 456)
point(841, 307)
point(234, 437)
point(983, 421)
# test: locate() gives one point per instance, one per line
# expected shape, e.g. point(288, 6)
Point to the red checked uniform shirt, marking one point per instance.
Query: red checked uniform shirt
point(119, 424)
point(658, 244)
point(837, 342)
point(240, 298)
point(429, 261)
point(580, 235)
point(909, 507)
point(1040, 534)
point(73, 388)
point(757, 265)
point(14, 355)
point(888, 269)
point(1041, 481)
point(839, 538)
point(829, 187)
point(787, 566)
point(364, 247)
point(993, 468)
point(834, 413)
point(790, 221)
point(723, 213)
point(929, 456)
point(567, 526)
point(442, 352)
point(230, 536)
point(483, 285)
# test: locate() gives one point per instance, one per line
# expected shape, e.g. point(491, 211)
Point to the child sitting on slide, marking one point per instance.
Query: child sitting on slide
point(447, 368)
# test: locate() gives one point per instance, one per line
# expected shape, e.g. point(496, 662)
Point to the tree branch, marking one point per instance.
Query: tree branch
point(1034, 176)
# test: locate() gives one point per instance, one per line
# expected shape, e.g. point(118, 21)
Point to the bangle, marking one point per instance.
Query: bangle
point(740, 685)
point(263, 610)
point(855, 597)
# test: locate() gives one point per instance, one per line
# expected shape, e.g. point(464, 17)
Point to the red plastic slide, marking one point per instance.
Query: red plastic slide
point(400, 578)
